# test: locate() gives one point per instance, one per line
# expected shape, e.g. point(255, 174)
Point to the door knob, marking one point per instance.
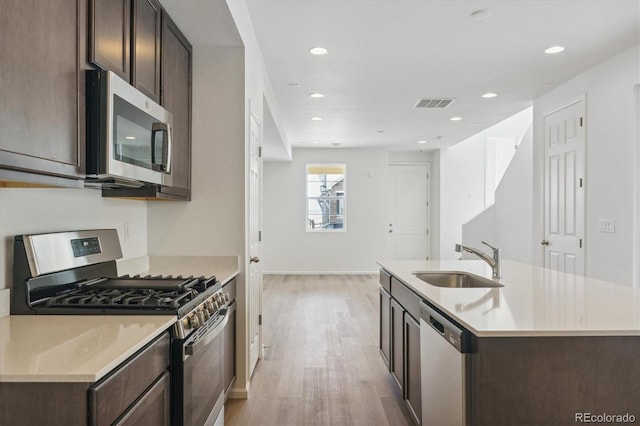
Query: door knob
point(254, 259)
point(544, 242)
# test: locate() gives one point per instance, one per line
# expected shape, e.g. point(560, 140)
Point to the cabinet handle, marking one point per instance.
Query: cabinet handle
point(254, 259)
point(544, 242)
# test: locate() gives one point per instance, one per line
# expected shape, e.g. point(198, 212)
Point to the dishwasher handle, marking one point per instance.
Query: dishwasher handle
point(457, 336)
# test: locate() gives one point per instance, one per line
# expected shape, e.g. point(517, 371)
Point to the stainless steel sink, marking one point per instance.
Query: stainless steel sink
point(456, 280)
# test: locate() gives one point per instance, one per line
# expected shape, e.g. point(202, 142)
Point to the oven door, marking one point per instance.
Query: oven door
point(199, 384)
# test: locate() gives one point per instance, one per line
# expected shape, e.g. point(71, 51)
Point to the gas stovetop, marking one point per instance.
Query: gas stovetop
point(146, 293)
point(76, 273)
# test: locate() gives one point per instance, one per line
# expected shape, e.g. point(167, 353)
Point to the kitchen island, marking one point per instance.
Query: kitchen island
point(546, 348)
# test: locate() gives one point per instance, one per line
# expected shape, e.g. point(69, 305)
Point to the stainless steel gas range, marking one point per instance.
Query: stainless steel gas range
point(75, 273)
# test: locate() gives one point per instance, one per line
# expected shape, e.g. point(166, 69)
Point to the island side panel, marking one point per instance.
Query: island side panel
point(551, 380)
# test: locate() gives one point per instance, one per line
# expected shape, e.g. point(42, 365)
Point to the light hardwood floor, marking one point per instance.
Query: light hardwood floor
point(321, 363)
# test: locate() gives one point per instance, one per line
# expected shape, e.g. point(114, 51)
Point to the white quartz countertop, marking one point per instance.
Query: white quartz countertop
point(72, 348)
point(533, 302)
point(223, 267)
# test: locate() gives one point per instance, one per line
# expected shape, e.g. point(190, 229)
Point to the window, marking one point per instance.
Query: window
point(326, 199)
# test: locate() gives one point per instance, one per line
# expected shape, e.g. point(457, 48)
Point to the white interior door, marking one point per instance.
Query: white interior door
point(564, 189)
point(409, 212)
point(254, 310)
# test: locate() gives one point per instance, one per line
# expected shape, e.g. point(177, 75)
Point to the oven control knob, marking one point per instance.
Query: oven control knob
point(205, 315)
point(186, 323)
point(194, 321)
point(209, 308)
point(227, 299)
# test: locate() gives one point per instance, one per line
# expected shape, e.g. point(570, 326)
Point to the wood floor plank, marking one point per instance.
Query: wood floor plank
point(321, 365)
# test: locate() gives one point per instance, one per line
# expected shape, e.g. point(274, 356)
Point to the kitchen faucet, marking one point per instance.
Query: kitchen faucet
point(493, 262)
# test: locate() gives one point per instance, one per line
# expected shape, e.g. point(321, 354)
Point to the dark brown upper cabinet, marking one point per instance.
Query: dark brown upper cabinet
point(42, 92)
point(110, 35)
point(146, 33)
point(125, 38)
point(175, 97)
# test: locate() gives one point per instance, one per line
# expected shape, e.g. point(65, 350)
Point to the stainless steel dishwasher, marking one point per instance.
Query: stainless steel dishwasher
point(444, 360)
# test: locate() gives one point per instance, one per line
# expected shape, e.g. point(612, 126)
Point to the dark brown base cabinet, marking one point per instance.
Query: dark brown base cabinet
point(400, 340)
point(136, 392)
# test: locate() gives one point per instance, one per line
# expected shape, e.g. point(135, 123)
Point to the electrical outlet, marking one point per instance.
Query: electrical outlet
point(607, 225)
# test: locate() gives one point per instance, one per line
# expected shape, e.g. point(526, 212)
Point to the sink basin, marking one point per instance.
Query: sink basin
point(456, 280)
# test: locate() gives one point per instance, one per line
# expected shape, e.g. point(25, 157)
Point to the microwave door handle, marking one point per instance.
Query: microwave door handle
point(166, 146)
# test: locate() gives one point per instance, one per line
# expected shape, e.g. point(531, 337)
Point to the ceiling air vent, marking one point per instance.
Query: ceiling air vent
point(433, 103)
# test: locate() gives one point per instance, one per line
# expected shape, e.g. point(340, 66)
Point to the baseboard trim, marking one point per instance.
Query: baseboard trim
point(239, 393)
point(320, 272)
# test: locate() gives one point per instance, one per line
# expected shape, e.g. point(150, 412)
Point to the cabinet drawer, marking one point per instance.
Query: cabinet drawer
point(111, 397)
point(409, 301)
point(385, 280)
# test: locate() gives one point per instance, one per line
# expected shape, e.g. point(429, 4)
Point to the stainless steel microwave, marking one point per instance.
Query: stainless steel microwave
point(128, 134)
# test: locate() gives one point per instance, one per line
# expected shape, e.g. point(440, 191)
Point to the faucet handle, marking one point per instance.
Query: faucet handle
point(490, 246)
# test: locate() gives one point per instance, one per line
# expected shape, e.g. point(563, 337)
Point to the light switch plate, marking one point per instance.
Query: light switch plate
point(607, 225)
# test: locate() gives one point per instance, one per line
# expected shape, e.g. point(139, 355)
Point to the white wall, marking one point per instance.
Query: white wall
point(508, 223)
point(289, 248)
point(610, 125)
point(35, 210)
point(461, 190)
point(464, 184)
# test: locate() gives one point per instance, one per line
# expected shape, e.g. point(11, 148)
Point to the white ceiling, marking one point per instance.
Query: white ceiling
point(386, 54)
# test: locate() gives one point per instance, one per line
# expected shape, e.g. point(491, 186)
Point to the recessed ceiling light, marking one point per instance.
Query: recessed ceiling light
point(294, 85)
point(316, 142)
point(422, 142)
point(554, 49)
point(316, 95)
point(131, 138)
point(481, 14)
point(489, 95)
point(438, 138)
point(379, 131)
point(318, 51)
point(316, 118)
point(455, 118)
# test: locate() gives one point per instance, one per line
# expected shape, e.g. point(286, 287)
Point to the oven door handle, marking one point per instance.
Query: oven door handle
point(192, 348)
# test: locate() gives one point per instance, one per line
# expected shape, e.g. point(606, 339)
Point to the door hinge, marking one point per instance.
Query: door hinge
point(427, 204)
point(580, 121)
point(260, 236)
point(259, 319)
point(580, 242)
point(580, 182)
point(427, 232)
point(259, 152)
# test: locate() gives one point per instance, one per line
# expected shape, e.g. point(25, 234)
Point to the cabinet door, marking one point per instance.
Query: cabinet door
point(152, 408)
point(42, 87)
point(413, 393)
point(385, 326)
point(176, 98)
point(397, 343)
point(146, 47)
point(110, 35)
